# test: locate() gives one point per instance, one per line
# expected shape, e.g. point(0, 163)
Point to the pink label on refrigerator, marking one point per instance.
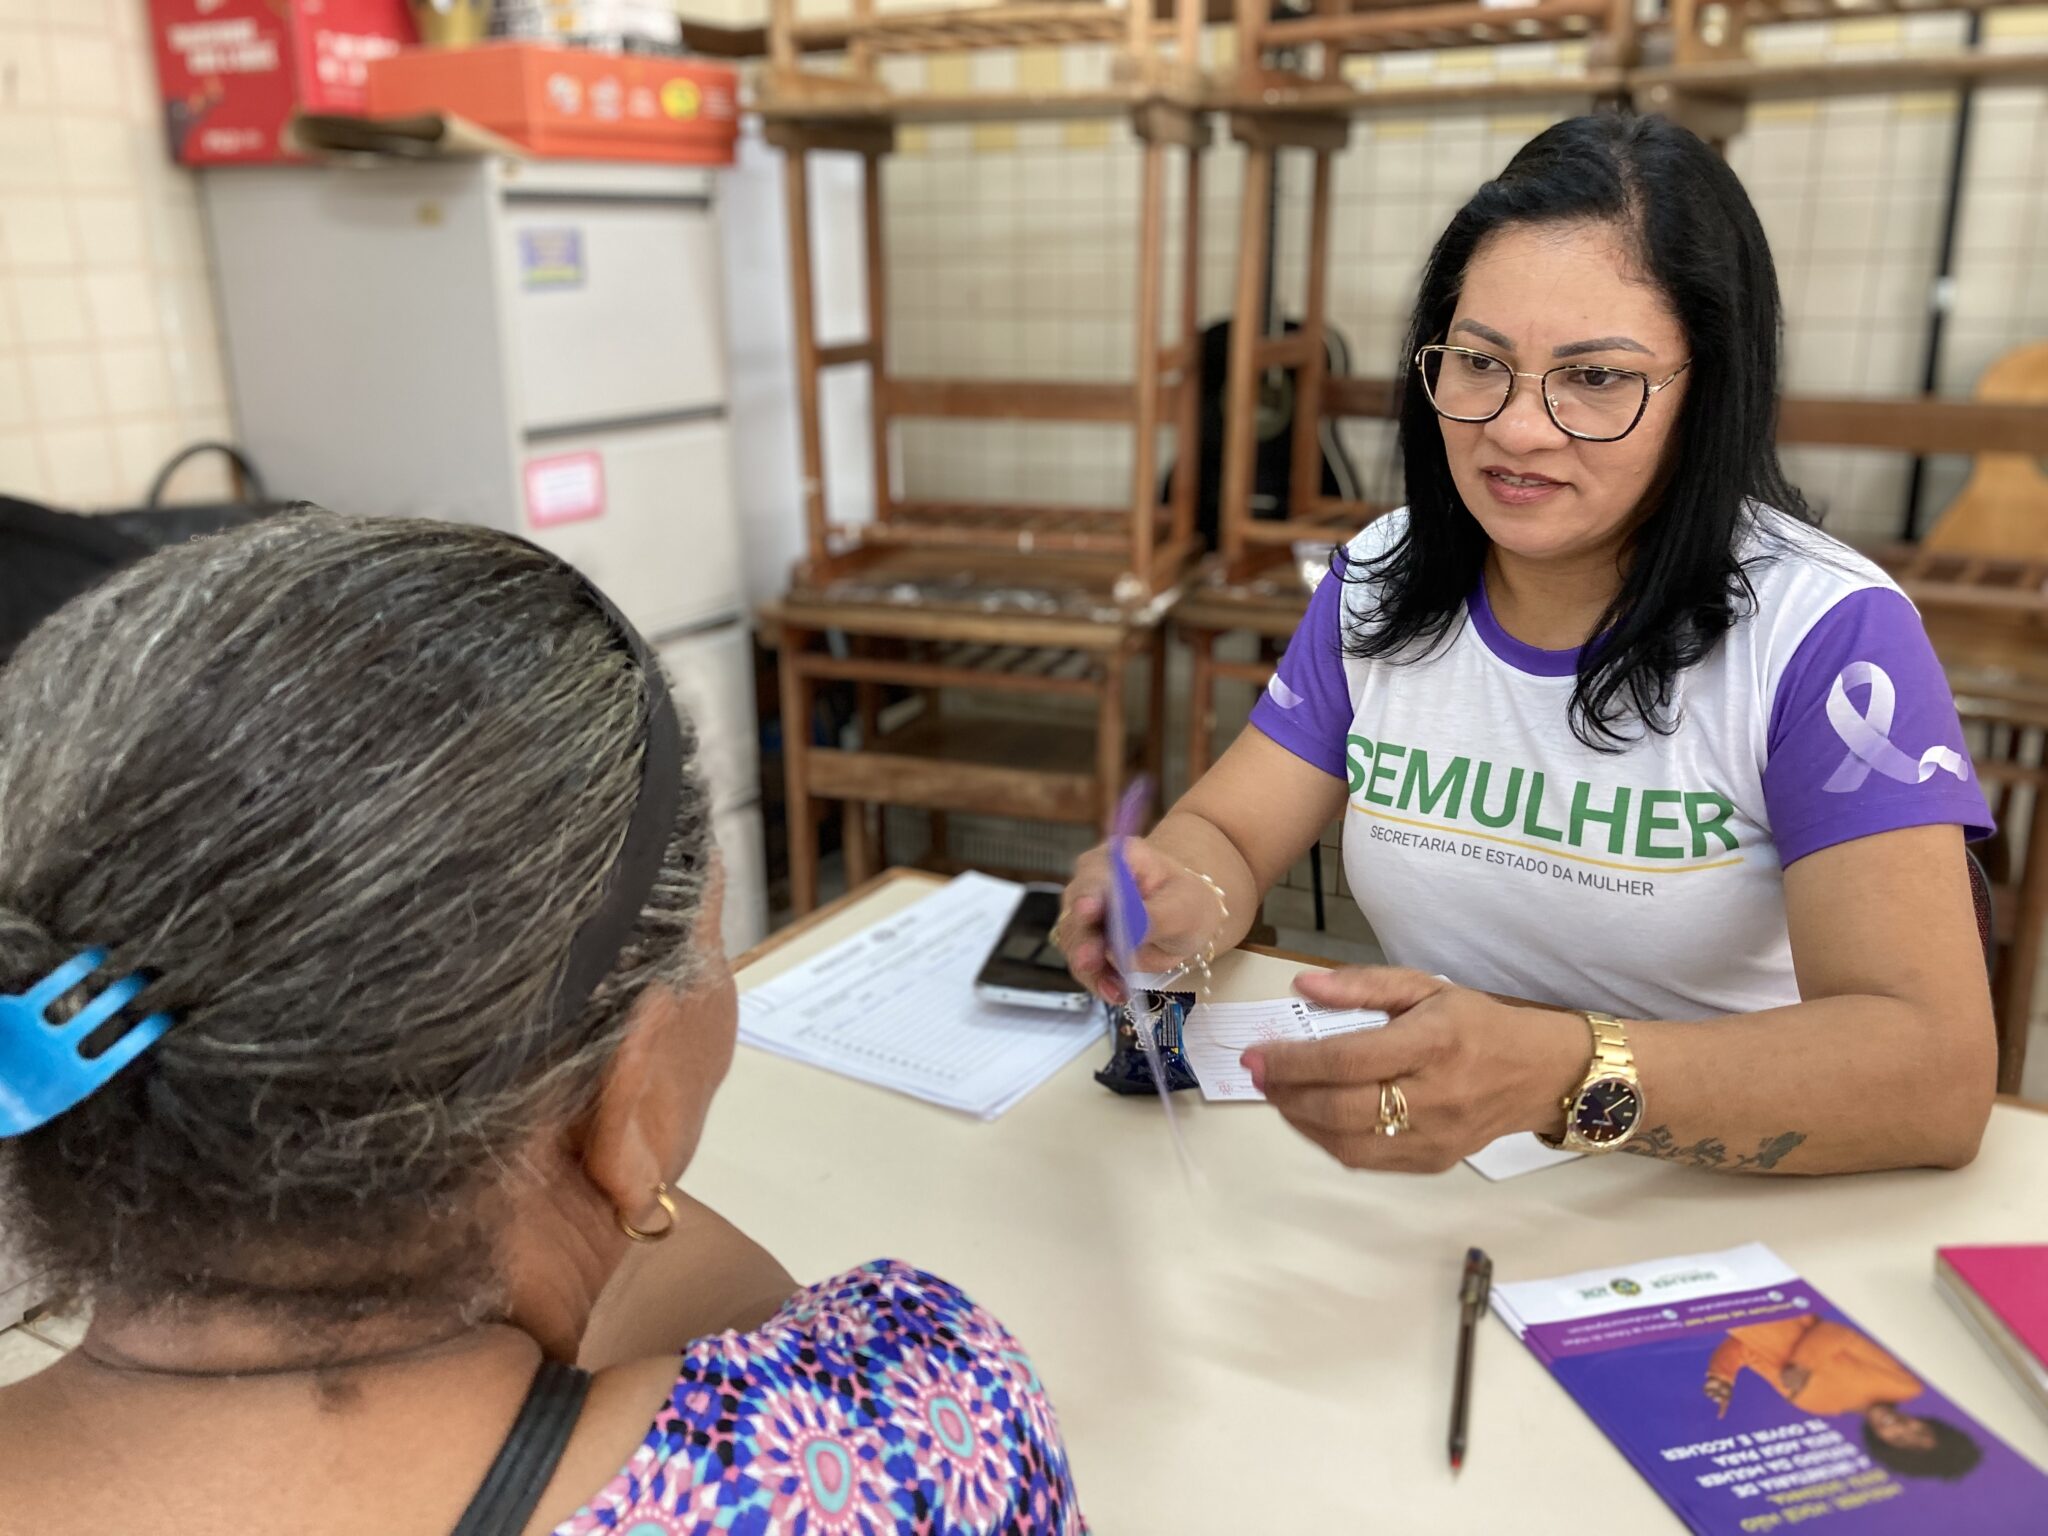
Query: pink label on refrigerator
point(566, 488)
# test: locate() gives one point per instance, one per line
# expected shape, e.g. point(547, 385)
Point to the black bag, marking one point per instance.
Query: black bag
point(48, 557)
point(154, 525)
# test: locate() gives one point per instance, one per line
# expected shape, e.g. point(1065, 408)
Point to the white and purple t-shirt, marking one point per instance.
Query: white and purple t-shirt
point(1487, 843)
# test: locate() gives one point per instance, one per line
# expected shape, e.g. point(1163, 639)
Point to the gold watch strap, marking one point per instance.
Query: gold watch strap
point(1611, 1054)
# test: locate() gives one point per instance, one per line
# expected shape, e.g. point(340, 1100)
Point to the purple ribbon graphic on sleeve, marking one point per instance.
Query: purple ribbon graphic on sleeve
point(1868, 735)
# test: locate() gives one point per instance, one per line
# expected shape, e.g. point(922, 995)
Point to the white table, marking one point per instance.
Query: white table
point(1272, 1351)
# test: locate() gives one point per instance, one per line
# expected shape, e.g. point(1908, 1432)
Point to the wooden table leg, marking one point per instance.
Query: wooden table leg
point(857, 840)
point(938, 833)
point(1109, 733)
point(860, 837)
point(1155, 711)
point(796, 753)
point(2015, 1001)
point(1201, 701)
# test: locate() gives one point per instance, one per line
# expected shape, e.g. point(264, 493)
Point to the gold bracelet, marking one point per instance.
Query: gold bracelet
point(1203, 961)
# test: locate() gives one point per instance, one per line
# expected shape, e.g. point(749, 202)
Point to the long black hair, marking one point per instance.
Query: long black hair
point(1697, 237)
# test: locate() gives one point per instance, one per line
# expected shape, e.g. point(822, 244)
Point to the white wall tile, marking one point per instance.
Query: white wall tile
point(1912, 220)
point(1846, 221)
point(1988, 289)
point(94, 16)
point(2002, 143)
point(1892, 360)
point(142, 446)
point(15, 413)
point(121, 304)
point(134, 380)
point(24, 68)
point(112, 231)
point(21, 464)
point(36, 231)
point(98, 153)
point(81, 463)
point(28, 153)
point(1897, 292)
point(1996, 217)
point(50, 307)
point(64, 386)
point(84, 71)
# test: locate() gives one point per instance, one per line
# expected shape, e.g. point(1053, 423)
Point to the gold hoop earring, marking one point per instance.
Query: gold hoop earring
point(667, 1202)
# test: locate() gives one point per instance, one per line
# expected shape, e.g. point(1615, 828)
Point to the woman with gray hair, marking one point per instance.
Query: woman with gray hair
point(360, 1005)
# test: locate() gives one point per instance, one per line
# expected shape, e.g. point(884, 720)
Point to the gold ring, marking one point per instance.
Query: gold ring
point(1393, 1110)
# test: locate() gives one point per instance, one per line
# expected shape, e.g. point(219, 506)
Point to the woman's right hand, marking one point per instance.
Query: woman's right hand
point(1720, 1389)
point(1185, 916)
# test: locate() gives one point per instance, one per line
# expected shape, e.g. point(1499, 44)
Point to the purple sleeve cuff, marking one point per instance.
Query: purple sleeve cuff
point(1864, 735)
point(1306, 707)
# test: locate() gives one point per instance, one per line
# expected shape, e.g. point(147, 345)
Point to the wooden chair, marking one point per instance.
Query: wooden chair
point(2008, 730)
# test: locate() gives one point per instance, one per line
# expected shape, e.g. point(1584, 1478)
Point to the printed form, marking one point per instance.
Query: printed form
point(895, 1006)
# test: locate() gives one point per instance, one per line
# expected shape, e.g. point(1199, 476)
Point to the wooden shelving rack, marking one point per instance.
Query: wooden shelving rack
point(1138, 549)
point(1290, 92)
point(1004, 601)
point(1710, 74)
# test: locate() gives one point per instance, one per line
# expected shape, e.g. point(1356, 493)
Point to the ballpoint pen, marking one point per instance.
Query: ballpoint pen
point(1472, 1297)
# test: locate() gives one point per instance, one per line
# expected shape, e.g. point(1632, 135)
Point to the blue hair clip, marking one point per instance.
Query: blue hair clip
point(43, 1067)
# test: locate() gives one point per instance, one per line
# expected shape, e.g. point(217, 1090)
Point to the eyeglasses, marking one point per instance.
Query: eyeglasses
point(1589, 401)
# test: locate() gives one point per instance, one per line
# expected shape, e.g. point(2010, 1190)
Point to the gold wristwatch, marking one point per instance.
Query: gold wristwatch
point(1606, 1109)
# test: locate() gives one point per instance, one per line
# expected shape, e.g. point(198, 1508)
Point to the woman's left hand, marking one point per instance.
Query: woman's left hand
point(1472, 1068)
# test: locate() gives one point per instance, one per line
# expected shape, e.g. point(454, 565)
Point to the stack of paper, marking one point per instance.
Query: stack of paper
point(895, 1006)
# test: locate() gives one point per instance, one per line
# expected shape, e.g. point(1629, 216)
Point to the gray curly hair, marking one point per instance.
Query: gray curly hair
point(346, 788)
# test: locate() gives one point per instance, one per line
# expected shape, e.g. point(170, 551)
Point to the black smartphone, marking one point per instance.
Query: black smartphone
point(1025, 969)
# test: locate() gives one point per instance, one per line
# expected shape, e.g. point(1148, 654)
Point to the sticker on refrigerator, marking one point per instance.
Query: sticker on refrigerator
point(567, 488)
point(550, 258)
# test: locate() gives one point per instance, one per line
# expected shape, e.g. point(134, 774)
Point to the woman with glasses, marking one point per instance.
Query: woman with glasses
point(1654, 794)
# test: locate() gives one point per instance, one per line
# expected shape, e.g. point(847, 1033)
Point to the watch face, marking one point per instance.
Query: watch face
point(1607, 1110)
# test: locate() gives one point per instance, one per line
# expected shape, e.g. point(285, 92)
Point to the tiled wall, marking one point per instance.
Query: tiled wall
point(109, 354)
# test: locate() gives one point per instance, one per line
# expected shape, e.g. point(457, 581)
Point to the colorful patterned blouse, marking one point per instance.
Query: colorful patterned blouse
point(880, 1402)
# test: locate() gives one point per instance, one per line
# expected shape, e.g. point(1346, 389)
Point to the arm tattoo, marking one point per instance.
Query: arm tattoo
point(1711, 1152)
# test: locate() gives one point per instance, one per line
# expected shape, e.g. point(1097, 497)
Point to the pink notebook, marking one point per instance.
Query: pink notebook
point(2003, 1293)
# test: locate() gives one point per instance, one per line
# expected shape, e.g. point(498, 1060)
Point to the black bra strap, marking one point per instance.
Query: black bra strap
point(533, 1449)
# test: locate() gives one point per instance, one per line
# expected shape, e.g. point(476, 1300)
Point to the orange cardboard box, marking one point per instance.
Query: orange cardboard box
point(569, 103)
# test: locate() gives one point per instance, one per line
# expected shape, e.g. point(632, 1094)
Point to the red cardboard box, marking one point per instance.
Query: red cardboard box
point(233, 72)
point(570, 103)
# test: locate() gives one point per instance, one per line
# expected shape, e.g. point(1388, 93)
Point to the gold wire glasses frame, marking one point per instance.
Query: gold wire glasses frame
point(1591, 388)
